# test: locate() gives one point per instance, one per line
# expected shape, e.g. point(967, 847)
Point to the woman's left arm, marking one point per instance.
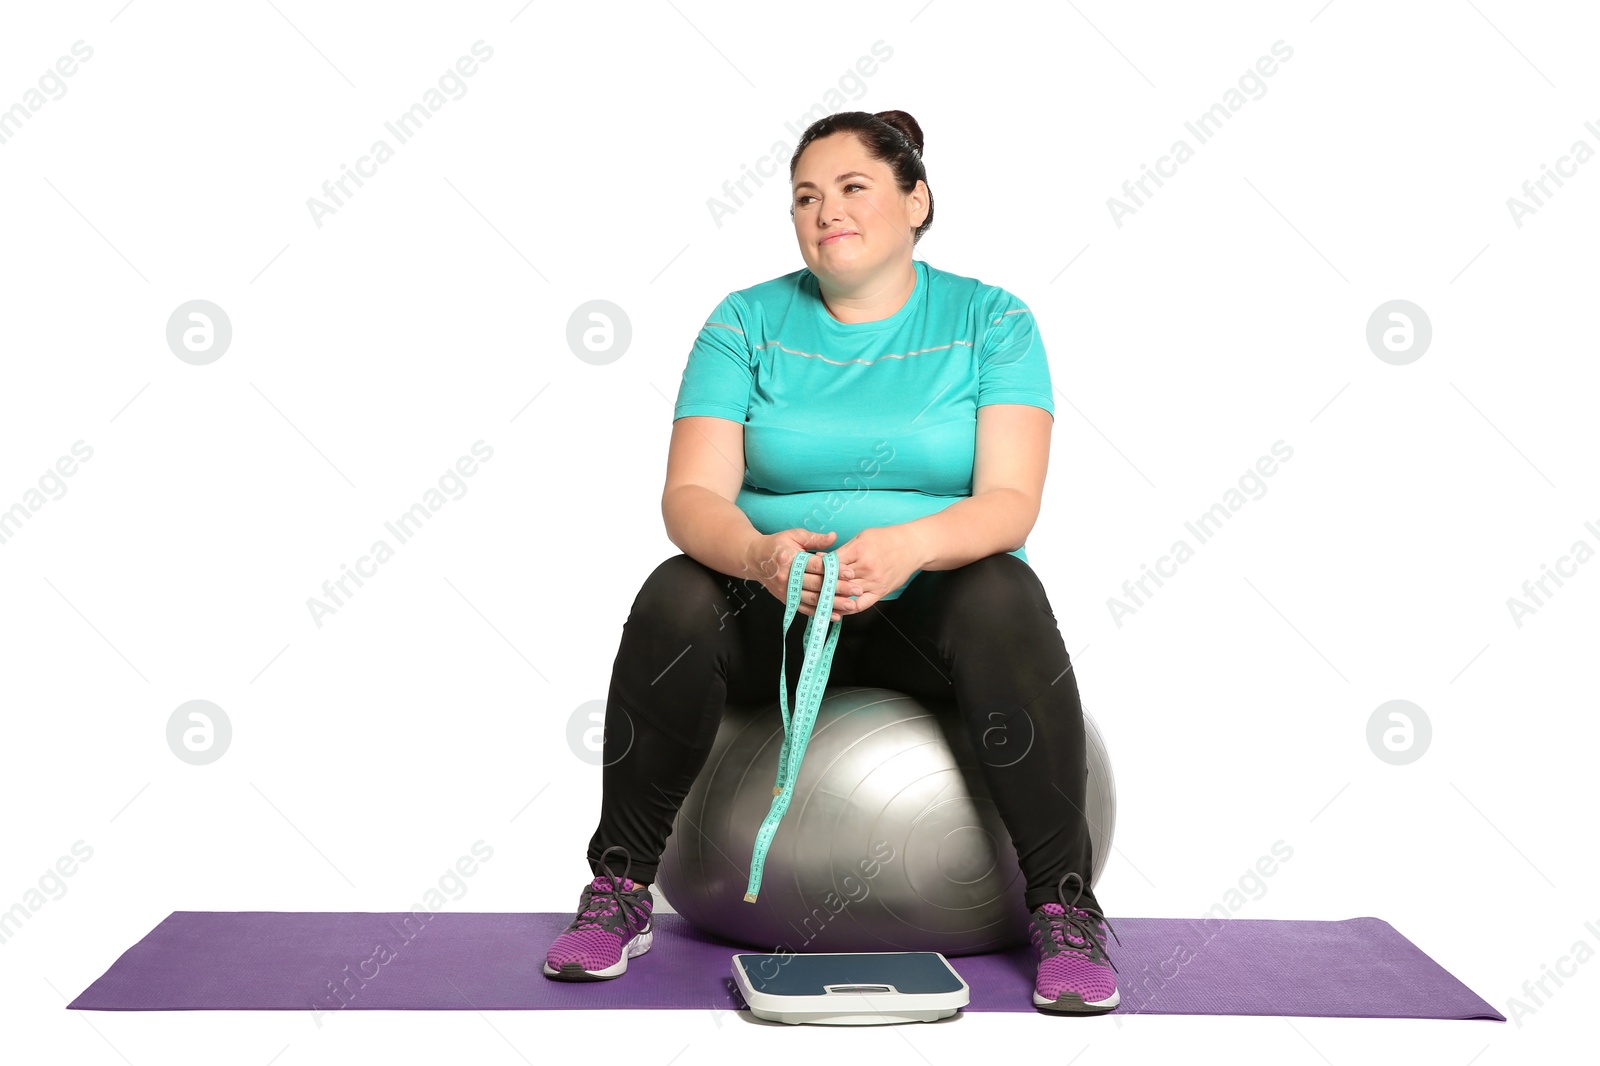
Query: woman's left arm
point(1008, 472)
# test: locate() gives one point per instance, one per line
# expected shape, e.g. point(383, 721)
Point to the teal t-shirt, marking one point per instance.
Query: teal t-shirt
point(851, 426)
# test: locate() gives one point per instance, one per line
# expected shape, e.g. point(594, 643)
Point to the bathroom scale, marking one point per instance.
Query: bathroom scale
point(850, 988)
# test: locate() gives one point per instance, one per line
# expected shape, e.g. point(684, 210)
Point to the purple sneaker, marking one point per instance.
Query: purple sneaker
point(612, 926)
point(1075, 976)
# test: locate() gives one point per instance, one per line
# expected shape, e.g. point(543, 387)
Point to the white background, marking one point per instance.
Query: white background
point(430, 311)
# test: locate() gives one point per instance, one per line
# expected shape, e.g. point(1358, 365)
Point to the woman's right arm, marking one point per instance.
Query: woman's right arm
point(705, 468)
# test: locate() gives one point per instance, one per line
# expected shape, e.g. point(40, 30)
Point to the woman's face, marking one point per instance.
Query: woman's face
point(840, 190)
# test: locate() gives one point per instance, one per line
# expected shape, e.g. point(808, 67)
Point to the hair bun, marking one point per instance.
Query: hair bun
point(906, 125)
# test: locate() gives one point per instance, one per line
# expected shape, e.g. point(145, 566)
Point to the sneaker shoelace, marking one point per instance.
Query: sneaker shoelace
point(603, 907)
point(1083, 923)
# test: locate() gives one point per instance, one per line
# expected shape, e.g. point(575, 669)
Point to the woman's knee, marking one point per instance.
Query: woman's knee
point(991, 591)
point(997, 621)
point(681, 595)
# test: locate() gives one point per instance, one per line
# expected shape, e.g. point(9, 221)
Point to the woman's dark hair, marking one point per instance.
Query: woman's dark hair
point(891, 137)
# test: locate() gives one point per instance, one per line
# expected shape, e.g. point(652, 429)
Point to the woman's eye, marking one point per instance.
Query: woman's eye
point(852, 185)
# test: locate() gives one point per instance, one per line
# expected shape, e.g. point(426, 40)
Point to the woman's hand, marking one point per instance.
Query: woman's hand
point(769, 558)
point(879, 560)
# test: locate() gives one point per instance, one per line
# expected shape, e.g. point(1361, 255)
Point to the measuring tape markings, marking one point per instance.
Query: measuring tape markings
point(820, 641)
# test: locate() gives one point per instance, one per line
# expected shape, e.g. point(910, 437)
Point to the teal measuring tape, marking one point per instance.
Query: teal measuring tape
point(820, 640)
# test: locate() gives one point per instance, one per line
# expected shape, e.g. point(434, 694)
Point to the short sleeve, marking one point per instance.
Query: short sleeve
point(1012, 365)
point(718, 376)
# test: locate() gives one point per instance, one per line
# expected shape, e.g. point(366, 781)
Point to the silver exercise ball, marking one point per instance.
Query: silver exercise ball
point(890, 842)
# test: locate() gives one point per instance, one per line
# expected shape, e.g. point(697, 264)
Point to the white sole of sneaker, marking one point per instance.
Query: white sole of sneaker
point(636, 947)
point(1074, 1005)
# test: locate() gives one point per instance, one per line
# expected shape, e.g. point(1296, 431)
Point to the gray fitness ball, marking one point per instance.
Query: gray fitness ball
point(890, 842)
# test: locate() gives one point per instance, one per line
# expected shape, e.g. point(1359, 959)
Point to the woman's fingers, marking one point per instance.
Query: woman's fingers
point(808, 607)
point(813, 584)
point(842, 594)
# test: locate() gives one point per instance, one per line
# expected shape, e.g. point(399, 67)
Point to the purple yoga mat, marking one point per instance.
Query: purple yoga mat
point(329, 960)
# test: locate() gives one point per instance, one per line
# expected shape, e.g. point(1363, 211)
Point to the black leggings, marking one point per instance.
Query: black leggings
point(981, 637)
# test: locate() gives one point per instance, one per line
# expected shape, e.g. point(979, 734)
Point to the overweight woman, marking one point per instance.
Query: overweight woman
point(898, 416)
